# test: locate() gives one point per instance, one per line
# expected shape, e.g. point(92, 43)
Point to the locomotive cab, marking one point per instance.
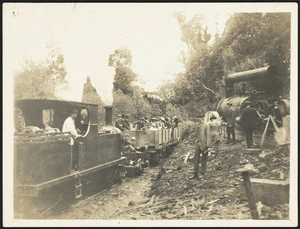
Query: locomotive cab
point(49, 116)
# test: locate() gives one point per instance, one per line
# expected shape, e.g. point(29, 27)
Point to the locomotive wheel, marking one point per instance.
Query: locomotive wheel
point(262, 106)
point(103, 179)
point(169, 150)
point(164, 153)
point(154, 157)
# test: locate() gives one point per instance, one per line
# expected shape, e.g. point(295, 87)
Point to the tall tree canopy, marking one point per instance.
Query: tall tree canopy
point(39, 79)
point(252, 40)
point(124, 76)
point(193, 32)
point(123, 79)
point(195, 85)
point(121, 56)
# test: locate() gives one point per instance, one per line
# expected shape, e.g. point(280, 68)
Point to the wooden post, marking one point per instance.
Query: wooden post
point(251, 201)
point(246, 177)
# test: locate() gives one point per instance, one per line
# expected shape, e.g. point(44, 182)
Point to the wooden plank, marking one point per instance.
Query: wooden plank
point(269, 192)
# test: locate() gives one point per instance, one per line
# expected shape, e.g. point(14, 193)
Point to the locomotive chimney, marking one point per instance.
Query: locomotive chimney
point(108, 115)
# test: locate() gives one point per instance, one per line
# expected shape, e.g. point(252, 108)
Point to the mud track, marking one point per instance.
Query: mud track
point(166, 192)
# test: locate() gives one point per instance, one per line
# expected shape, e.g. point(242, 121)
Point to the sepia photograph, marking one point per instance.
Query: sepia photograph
point(150, 114)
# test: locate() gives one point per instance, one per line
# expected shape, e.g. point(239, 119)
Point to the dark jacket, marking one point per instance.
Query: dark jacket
point(201, 136)
point(126, 124)
point(120, 123)
point(175, 122)
point(249, 118)
point(140, 124)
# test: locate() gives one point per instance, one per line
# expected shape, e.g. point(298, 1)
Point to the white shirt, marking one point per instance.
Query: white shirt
point(69, 126)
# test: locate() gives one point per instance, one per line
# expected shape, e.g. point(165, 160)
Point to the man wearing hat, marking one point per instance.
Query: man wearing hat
point(208, 136)
point(248, 120)
point(120, 123)
point(230, 124)
point(126, 122)
point(200, 147)
point(175, 120)
point(129, 144)
point(214, 133)
point(69, 126)
point(140, 124)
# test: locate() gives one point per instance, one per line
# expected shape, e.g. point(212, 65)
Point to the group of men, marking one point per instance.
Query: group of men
point(122, 123)
point(157, 123)
point(248, 121)
point(208, 134)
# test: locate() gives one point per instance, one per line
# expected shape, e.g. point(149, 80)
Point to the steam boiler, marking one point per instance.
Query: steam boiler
point(264, 88)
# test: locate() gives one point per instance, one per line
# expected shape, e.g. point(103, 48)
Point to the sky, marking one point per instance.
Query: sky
point(88, 33)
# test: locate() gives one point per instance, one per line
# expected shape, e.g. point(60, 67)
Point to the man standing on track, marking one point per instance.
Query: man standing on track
point(231, 124)
point(200, 148)
point(208, 135)
point(248, 120)
point(214, 133)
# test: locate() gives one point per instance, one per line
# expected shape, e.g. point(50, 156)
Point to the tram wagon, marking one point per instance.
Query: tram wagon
point(158, 143)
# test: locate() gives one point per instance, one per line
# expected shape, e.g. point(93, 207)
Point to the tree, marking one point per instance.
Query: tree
point(252, 40)
point(197, 85)
point(39, 79)
point(123, 79)
point(90, 95)
point(124, 76)
point(127, 97)
point(256, 40)
point(121, 56)
point(166, 91)
point(133, 104)
point(193, 33)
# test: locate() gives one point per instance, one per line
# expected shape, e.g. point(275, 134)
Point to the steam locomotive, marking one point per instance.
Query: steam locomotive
point(268, 84)
point(44, 159)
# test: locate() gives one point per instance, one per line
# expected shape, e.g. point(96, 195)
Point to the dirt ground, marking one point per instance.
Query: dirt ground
point(166, 192)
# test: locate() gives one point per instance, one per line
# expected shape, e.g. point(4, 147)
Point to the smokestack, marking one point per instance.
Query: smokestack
point(108, 115)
